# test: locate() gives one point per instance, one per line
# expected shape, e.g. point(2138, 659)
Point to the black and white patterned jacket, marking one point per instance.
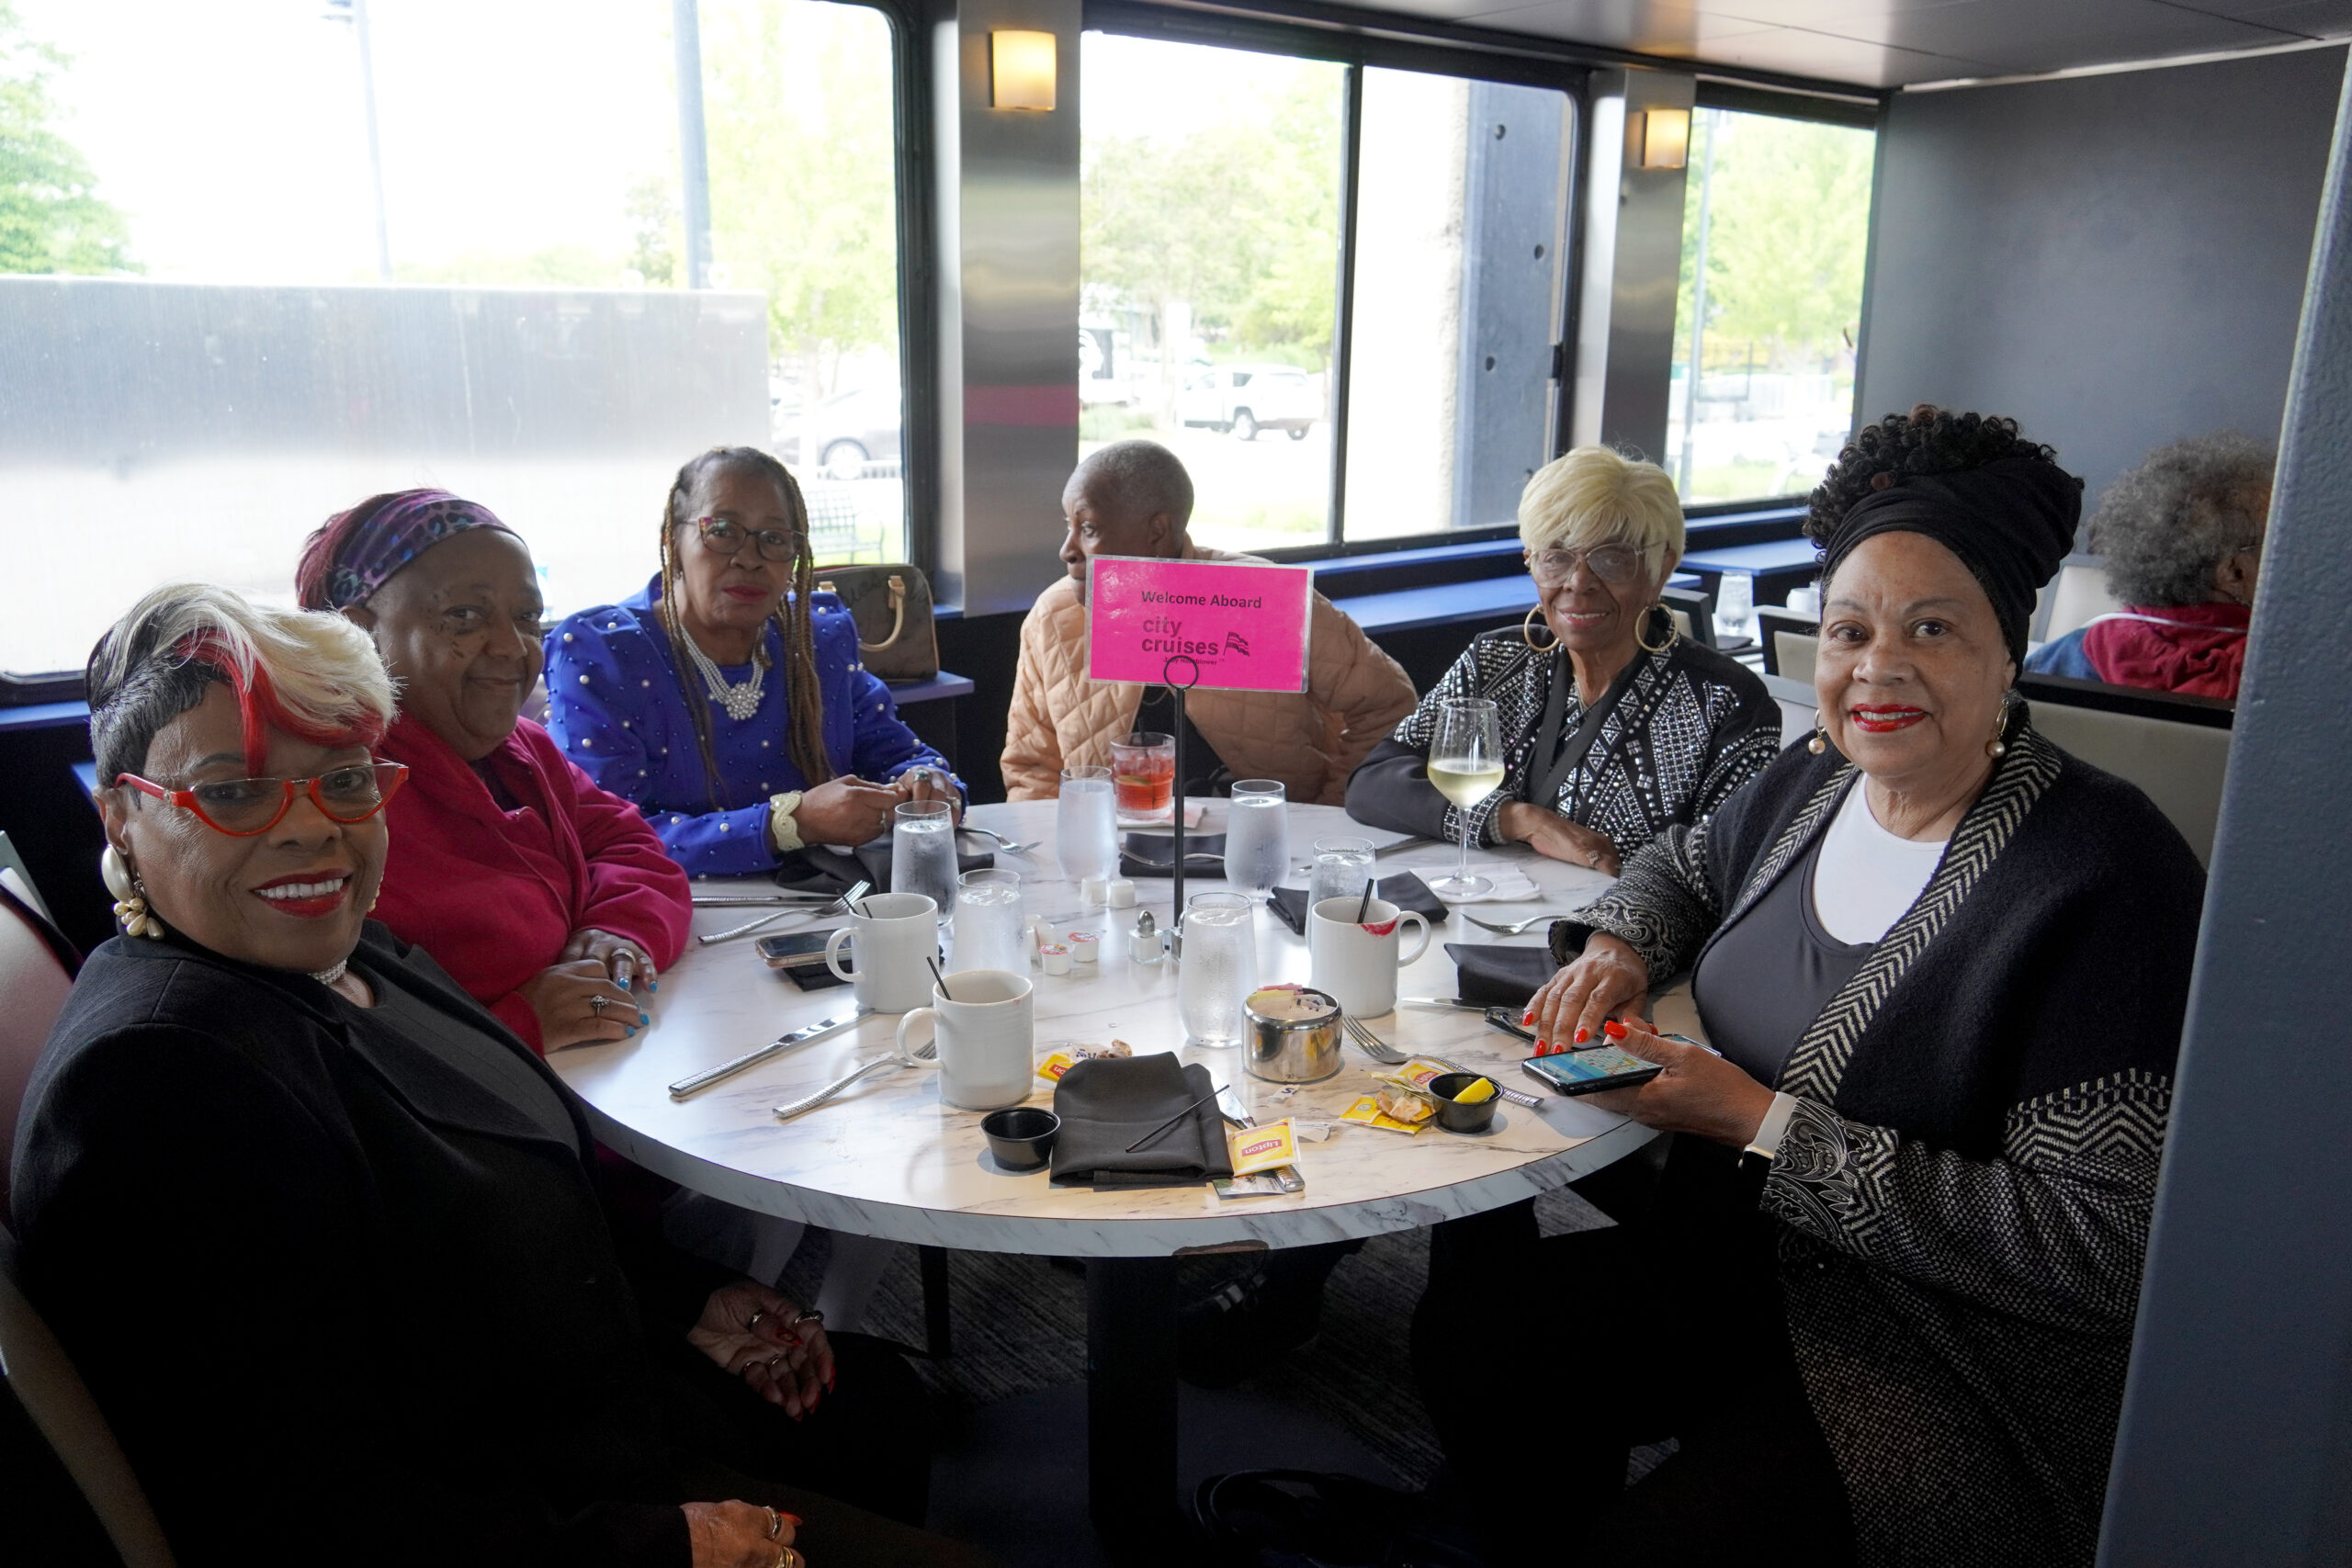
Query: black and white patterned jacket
point(1963, 1196)
point(1692, 728)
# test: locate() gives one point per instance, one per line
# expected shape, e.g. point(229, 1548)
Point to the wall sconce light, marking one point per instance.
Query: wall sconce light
point(1665, 138)
point(1021, 71)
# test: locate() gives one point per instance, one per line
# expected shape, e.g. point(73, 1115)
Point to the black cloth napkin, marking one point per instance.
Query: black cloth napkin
point(1500, 977)
point(1154, 854)
point(821, 868)
point(1405, 890)
point(1106, 1104)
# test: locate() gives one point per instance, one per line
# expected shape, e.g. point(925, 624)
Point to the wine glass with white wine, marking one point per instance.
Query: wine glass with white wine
point(1467, 765)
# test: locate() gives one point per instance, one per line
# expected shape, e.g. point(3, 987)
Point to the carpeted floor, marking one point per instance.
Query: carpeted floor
point(1019, 1328)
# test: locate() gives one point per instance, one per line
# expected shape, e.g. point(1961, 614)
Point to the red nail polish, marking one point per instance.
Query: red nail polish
point(793, 1518)
point(1527, 1017)
point(1615, 1030)
point(1583, 1036)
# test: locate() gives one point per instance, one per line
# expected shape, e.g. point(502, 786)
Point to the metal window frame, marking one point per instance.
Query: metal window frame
point(1398, 45)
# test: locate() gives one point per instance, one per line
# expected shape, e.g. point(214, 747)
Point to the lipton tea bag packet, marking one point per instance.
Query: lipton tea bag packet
point(1417, 1073)
point(1058, 1062)
point(1262, 1148)
point(1366, 1112)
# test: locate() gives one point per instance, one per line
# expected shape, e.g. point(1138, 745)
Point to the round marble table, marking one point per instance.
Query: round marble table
point(888, 1159)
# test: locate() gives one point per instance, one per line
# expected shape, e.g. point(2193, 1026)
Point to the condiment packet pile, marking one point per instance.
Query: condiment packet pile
point(1061, 1061)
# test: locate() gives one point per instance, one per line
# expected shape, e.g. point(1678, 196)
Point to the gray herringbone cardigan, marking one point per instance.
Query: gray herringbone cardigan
point(1962, 1199)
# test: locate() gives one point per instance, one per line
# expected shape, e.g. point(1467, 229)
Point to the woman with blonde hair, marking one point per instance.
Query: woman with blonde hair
point(1614, 726)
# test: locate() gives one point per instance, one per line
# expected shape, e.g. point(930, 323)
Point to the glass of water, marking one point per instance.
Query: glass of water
point(1342, 868)
point(1086, 829)
point(1257, 838)
point(922, 852)
point(1219, 968)
point(990, 930)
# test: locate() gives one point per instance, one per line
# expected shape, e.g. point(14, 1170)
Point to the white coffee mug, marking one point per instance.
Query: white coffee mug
point(1356, 962)
point(987, 1032)
point(895, 937)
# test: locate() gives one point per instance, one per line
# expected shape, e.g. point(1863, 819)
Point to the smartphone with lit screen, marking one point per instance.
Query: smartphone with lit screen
point(1590, 1070)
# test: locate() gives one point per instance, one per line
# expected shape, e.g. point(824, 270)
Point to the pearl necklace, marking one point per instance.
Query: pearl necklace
point(328, 976)
point(740, 702)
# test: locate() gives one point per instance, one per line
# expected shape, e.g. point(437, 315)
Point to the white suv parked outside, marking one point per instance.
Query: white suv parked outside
point(1246, 398)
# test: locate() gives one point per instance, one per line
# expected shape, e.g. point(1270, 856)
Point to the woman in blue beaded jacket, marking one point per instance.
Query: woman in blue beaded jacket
point(727, 698)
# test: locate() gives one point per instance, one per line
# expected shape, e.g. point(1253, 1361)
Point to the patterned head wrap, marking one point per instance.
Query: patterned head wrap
point(358, 551)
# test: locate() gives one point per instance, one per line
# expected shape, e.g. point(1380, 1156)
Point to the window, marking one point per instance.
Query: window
point(1214, 184)
point(287, 256)
point(1209, 272)
point(1776, 225)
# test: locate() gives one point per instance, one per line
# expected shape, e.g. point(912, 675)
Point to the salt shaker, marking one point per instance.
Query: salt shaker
point(1144, 946)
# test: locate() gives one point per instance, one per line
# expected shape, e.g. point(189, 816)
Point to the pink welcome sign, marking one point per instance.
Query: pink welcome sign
point(1243, 628)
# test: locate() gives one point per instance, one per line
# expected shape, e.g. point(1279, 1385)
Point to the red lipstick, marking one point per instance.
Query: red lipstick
point(308, 894)
point(1884, 719)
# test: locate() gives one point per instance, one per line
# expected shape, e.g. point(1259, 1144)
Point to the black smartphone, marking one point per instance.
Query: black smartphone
point(1507, 1019)
point(795, 950)
point(1595, 1067)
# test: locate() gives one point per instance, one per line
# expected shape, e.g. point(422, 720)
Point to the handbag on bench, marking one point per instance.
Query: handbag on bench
point(896, 638)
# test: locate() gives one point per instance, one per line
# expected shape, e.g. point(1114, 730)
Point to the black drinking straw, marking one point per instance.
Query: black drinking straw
point(1365, 908)
point(935, 974)
point(1154, 1135)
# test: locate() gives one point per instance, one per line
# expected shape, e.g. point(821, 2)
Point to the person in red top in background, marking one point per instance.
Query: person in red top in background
point(2181, 534)
point(548, 899)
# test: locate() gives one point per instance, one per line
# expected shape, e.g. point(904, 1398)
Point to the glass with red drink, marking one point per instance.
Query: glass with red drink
point(1143, 773)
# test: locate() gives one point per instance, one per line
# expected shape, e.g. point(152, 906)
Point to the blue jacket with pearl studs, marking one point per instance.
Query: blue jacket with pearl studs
point(617, 709)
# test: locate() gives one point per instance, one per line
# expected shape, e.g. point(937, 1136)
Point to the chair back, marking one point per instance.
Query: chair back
point(2078, 595)
point(1793, 654)
point(2176, 748)
point(1799, 707)
point(69, 1421)
point(18, 879)
point(36, 976)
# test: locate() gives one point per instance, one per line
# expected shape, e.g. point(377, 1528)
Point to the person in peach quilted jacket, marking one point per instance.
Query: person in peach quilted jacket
point(1133, 497)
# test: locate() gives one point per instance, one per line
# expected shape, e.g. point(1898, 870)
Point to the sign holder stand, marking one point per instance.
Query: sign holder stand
point(1176, 786)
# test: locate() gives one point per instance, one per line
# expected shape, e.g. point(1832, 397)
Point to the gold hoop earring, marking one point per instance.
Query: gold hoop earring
point(130, 910)
point(1997, 746)
point(1820, 741)
point(1650, 614)
point(1527, 632)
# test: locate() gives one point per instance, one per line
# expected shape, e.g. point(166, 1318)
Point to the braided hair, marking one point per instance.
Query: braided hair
point(793, 617)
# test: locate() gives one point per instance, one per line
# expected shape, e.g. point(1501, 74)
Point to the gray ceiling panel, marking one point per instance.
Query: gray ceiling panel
point(1888, 43)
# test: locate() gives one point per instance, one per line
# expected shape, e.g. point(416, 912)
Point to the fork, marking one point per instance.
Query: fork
point(1513, 929)
point(1387, 1055)
point(926, 1052)
point(1004, 846)
point(831, 908)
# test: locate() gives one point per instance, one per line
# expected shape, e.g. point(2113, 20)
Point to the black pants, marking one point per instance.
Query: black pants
point(857, 1471)
point(1667, 1327)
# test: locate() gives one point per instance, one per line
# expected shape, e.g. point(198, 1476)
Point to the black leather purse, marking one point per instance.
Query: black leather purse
point(896, 638)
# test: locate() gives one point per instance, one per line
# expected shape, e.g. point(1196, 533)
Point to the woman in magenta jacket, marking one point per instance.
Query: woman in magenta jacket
point(551, 900)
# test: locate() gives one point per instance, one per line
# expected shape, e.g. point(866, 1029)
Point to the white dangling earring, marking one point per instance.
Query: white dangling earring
point(130, 908)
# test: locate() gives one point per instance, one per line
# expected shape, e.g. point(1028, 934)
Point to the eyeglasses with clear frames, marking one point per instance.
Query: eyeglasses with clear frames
point(245, 808)
point(1616, 565)
point(727, 539)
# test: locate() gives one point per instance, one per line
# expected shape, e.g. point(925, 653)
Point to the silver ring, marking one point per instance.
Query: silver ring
point(809, 1314)
point(754, 1321)
point(775, 1522)
point(598, 1004)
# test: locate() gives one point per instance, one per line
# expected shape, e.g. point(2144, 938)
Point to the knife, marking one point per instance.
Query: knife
point(768, 1052)
point(1386, 849)
point(1455, 1002)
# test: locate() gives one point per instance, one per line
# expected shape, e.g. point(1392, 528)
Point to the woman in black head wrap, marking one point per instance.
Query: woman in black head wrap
point(1895, 1254)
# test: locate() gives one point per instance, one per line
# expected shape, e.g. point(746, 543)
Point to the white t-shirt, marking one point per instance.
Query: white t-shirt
point(1867, 879)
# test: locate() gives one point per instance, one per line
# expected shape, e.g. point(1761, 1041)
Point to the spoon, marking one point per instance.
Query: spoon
point(926, 1052)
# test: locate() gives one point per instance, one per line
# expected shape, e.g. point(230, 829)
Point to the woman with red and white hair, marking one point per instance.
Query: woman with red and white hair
point(402, 1327)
